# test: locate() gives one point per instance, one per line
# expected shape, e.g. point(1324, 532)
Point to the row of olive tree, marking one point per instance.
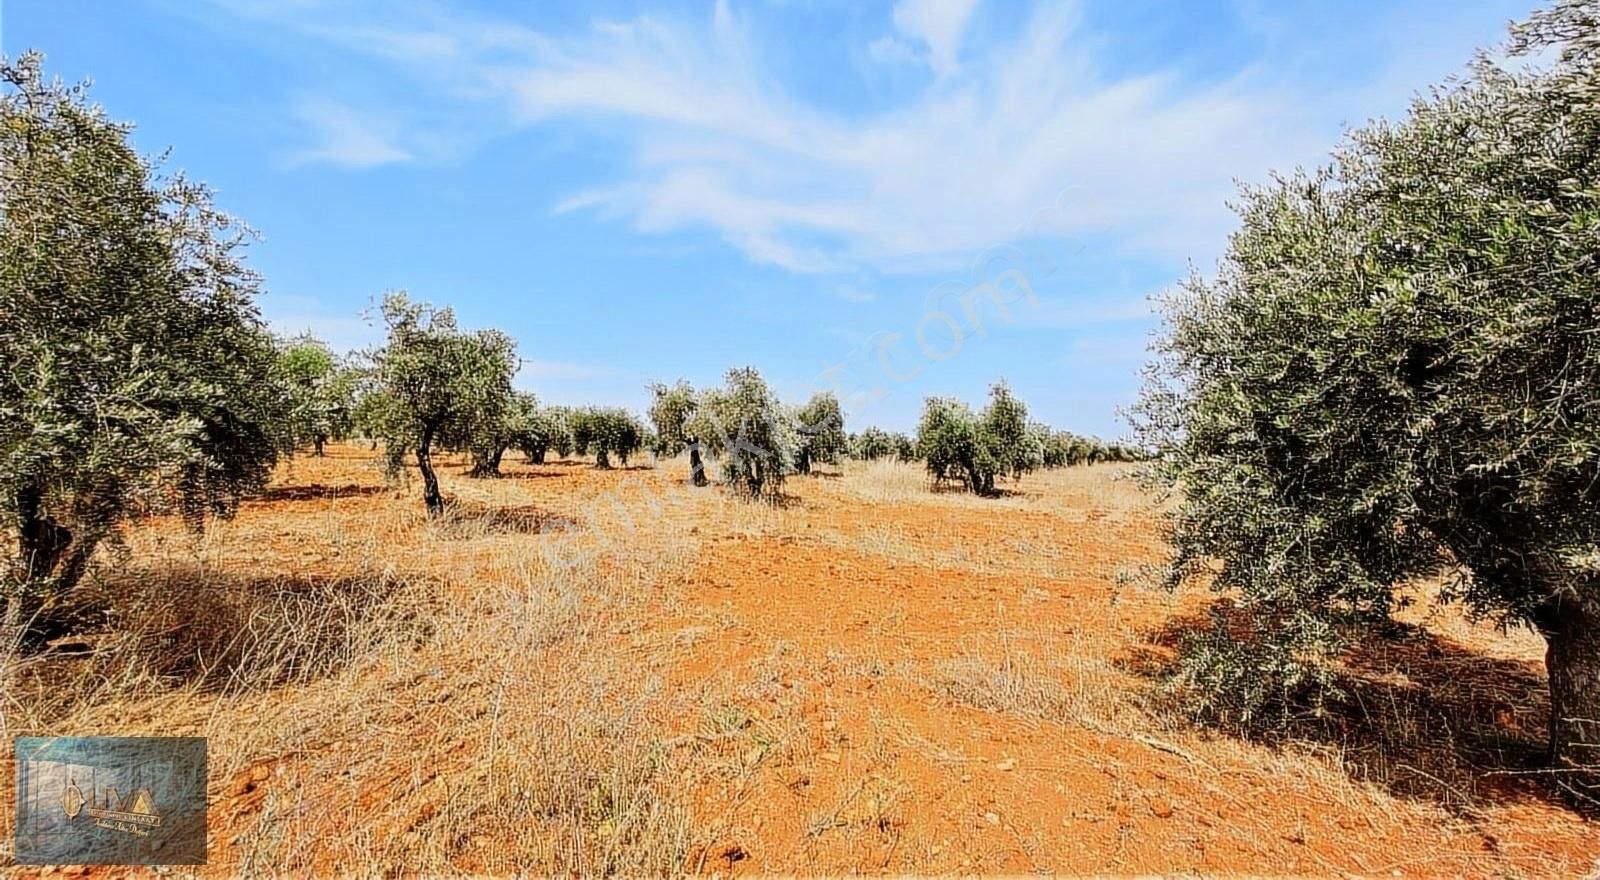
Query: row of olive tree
point(1396, 373)
point(875, 443)
point(973, 449)
point(754, 437)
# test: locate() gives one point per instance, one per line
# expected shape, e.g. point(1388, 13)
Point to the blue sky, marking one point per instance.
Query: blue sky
point(886, 199)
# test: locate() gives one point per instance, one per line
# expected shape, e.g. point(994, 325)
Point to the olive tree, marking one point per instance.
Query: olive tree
point(539, 430)
point(608, 431)
point(746, 427)
point(1005, 431)
point(501, 427)
point(905, 449)
point(134, 367)
point(1396, 373)
point(820, 424)
point(320, 389)
point(441, 385)
point(670, 411)
point(950, 439)
point(872, 444)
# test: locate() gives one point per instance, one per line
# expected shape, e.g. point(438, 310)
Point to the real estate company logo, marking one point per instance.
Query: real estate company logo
point(111, 800)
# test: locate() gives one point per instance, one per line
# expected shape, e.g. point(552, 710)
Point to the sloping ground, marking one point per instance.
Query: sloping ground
point(610, 671)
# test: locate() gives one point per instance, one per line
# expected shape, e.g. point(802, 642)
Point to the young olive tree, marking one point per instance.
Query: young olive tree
point(134, 368)
point(950, 439)
point(1004, 430)
point(321, 392)
point(501, 427)
point(672, 408)
point(872, 444)
point(746, 427)
point(1397, 372)
point(608, 431)
point(560, 420)
point(905, 449)
point(539, 430)
point(441, 384)
point(820, 424)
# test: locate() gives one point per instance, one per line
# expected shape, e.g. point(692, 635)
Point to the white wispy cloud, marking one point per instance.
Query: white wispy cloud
point(345, 137)
point(1036, 136)
point(938, 25)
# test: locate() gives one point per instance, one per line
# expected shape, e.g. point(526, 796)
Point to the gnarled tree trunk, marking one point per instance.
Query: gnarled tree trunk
point(1571, 628)
point(488, 466)
point(697, 467)
point(430, 480)
point(50, 560)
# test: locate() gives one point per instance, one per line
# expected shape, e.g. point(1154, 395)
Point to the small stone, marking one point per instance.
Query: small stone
point(992, 818)
point(1161, 808)
point(260, 774)
point(1007, 765)
point(966, 777)
point(830, 724)
point(831, 757)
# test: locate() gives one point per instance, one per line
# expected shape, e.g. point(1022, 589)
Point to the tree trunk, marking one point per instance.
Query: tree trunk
point(487, 466)
point(697, 467)
point(802, 463)
point(1572, 658)
point(317, 443)
point(40, 540)
point(600, 459)
point(430, 481)
point(38, 573)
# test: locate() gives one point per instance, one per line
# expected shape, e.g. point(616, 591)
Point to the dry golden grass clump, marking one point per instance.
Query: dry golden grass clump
point(583, 671)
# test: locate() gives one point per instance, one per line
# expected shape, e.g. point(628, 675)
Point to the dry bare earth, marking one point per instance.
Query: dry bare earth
point(612, 671)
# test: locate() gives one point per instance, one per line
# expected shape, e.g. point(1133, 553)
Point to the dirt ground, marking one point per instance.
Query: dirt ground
point(585, 670)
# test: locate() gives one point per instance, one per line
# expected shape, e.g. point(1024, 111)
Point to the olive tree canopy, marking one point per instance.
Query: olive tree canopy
point(820, 424)
point(134, 368)
point(440, 385)
point(1396, 373)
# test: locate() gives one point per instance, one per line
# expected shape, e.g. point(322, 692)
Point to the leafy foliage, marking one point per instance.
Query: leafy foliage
point(134, 369)
point(1012, 443)
point(441, 385)
point(670, 411)
point(950, 440)
point(745, 426)
point(905, 449)
point(821, 432)
point(321, 392)
point(537, 430)
point(871, 445)
point(973, 449)
point(608, 431)
point(1397, 372)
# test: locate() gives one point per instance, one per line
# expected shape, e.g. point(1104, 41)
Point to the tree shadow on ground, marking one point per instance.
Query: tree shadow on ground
point(469, 519)
point(144, 631)
point(533, 475)
point(316, 491)
point(1418, 714)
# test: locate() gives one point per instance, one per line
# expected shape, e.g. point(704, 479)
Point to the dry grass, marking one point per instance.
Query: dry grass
point(593, 673)
point(1037, 674)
